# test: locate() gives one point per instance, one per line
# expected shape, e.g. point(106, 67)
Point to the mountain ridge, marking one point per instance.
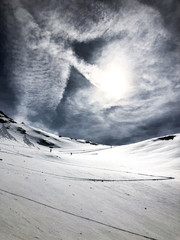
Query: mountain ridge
point(4, 119)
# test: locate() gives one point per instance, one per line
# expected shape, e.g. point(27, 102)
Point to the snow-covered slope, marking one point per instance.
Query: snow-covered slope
point(83, 191)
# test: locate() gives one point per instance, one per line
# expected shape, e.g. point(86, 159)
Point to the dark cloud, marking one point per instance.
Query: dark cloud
point(87, 50)
point(53, 54)
point(170, 11)
point(69, 111)
point(8, 97)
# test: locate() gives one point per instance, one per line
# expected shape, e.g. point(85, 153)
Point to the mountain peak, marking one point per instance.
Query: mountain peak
point(5, 119)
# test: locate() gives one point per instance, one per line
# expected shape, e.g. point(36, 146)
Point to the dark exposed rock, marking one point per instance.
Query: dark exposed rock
point(7, 119)
point(170, 137)
point(36, 131)
point(21, 130)
point(41, 133)
point(45, 143)
point(92, 143)
point(3, 121)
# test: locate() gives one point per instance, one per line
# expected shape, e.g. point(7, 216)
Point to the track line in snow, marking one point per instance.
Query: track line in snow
point(76, 215)
point(102, 169)
point(154, 177)
point(116, 180)
point(81, 151)
point(15, 153)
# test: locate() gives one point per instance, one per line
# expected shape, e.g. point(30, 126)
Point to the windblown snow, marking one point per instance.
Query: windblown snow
point(56, 188)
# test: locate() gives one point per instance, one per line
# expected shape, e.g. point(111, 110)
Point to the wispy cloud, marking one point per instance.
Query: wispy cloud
point(133, 34)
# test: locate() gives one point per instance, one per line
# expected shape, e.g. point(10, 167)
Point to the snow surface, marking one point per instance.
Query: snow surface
point(84, 191)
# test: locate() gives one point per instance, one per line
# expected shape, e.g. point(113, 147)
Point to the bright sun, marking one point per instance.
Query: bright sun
point(112, 79)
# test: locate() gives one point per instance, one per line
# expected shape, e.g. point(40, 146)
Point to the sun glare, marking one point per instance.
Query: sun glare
point(112, 79)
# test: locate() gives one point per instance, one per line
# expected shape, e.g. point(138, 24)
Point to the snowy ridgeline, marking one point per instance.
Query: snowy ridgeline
point(54, 188)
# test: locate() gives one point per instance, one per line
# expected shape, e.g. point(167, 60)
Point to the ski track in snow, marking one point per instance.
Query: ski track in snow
point(16, 153)
point(154, 177)
point(76, 215)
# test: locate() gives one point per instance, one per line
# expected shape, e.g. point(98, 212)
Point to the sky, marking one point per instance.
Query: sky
point(105, 71)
